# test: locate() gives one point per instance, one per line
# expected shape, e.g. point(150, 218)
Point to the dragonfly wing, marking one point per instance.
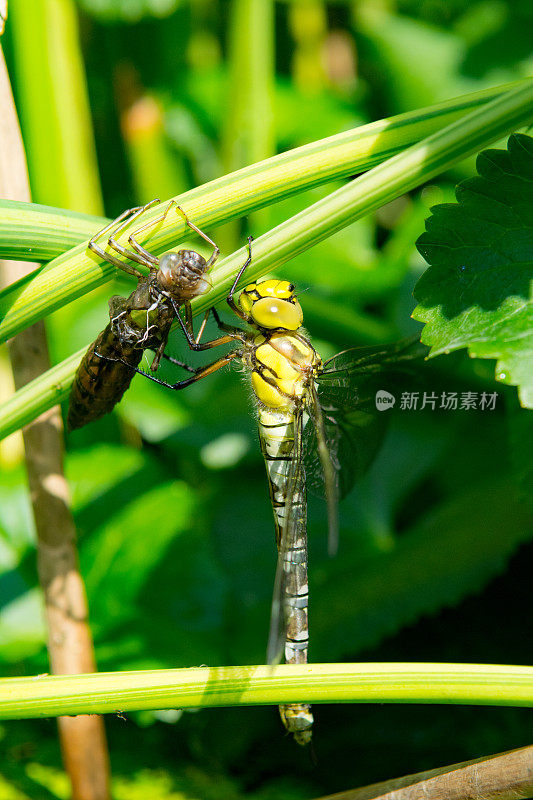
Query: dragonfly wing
point(352, 435)
point(353, 427)
point(372, 360)
point(327, 465)
point(276, 633)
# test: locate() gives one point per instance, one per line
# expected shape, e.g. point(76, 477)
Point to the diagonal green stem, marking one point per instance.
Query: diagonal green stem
point(375, 188)
point(39, 395)
point(471, 684)
point(39, 233)
point(361, 196)
point(33, 232)
point(78, 271)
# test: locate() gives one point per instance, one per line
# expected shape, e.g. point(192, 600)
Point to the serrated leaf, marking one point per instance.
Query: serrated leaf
point(477, 291)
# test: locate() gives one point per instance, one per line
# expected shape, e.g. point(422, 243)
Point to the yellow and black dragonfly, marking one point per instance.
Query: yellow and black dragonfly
point(318, 426)
point(141, 321)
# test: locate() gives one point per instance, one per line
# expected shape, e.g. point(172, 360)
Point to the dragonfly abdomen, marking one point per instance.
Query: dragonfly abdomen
point(276, 433)
point(100, 383)
point(283, 362)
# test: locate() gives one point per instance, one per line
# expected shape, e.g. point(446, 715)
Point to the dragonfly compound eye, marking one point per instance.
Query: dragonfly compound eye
point(183, 274)
point(272, 313)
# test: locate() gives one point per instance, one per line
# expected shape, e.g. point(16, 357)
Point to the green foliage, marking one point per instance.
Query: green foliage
point(129, 10)
point(451, 553)
point(169, 492)
point(477, 292)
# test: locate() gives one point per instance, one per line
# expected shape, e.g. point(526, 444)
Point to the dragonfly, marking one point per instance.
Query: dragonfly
point(141, 321)
point(318, 426)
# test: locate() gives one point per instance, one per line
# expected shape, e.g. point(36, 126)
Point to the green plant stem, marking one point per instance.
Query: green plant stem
point(399, 174)
point(32, 233)
point(79, 271)
point(249, 125)
point(248, 130)
point(32, 400)
point(471, 684)
point(54, 105)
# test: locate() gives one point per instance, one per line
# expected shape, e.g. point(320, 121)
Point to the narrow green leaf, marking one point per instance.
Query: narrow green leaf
point(69, 275)
point(32, 232)
point(52, 98)
point(100, 693)
point(39, 395)
point(29, 233)
point(249, 124)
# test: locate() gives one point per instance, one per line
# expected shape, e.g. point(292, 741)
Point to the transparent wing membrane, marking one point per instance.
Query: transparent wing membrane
point(353, 427)
point(371, 360)
point(327, 461)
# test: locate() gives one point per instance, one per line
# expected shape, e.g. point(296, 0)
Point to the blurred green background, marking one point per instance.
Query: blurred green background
point(169, 493)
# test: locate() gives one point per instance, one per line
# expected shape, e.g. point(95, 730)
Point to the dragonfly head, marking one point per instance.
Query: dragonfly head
point(272, 305)
point(182, 274)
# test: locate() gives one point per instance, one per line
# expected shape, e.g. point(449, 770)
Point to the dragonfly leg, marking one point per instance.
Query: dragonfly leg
point(189, 324)
point(159, 354)
point(202, 326)
point(142, 251)
point(146, 260)
point(187, 309)
point(197, 346)
point(223, 326)
point(108, 256)
point(179, 363)
point(214, 255)
point(229, 299)
point(200, 372)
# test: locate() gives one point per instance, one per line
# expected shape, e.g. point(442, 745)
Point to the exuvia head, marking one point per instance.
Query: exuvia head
point(272, 305)
point(183, 274)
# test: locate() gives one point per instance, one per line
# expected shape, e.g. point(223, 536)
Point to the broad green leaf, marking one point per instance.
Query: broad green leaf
point(432, 70)
point(477, 292)
point(155, 592)
point(453, 552)
point(22, 630)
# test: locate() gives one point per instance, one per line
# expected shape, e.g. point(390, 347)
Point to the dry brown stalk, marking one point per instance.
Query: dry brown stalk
point(70, 645)
point(505, 776)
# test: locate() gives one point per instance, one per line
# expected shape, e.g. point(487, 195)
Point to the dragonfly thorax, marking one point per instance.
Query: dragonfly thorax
point(272, 305)
point(182, 274)
point(282, 366)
